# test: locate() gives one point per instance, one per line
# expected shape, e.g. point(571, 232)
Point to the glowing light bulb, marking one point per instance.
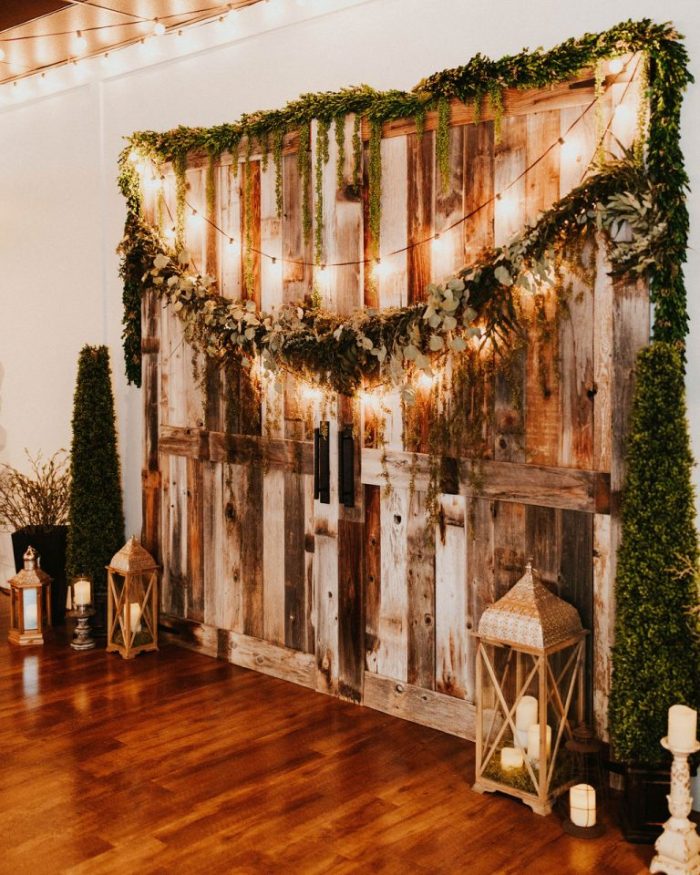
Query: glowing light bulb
point(616, 66)
point(369, 399)
point(233, 246)
point(425, 381)
point(169, 234)
point(322, 273)
point(312, 393)
point(380, 269)
point(196, 220)
point(79, 43)
point(2, 54)
point(570, 149)
point(158, 28)
point(438, 245)
point(505, 203)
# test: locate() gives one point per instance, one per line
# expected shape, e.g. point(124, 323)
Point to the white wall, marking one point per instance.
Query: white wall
point(61, 213)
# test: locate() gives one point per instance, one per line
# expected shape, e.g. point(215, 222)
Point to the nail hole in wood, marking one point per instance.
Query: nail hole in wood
point(397, 519)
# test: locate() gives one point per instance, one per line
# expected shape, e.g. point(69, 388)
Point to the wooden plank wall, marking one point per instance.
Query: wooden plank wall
point(367, 603)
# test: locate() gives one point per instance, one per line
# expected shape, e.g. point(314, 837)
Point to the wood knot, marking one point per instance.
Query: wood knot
point(592, 391)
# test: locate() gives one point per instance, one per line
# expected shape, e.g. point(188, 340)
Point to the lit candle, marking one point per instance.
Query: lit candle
point(525, 715)
point(29, 605)
point(511, 758)
point(81, 592)
point(134, 617)
point(582, 805)
point(682, 727)
point(533, 741)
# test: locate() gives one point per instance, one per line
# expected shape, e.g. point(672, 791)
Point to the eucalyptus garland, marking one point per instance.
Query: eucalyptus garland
point(667, 75)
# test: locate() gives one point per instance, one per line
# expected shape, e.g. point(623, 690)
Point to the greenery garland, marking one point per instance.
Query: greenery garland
point(480, 303)
point(668, 75)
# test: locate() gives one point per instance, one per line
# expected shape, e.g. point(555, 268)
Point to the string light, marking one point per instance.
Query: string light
point(158, 27)
point(322, 273)
point(312, 393)
point(2, 54)
point(169, 233)
point(425, 381)
point(380, 269)
point(196, 220)
point(79, 43)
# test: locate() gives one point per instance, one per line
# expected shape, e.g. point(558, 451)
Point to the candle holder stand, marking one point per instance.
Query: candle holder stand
point(82, 639)
point(678, 846)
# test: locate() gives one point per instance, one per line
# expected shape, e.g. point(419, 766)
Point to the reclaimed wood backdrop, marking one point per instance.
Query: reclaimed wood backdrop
point(357, 602)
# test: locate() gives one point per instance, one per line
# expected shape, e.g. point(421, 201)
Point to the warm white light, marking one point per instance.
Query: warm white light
point(425, 381)
point(369, 399)
point(79, 43)
point(380, 269)
point(505, 203)
point(2, 54)
point(158, 28)
point(169, 234)
point(154, 183)
point(624, 114)
point(322, 273)
point(312, 393)
point(438, 245)
point(233, 246)
point(196, 220)
point(616, 66)
point(570, 150)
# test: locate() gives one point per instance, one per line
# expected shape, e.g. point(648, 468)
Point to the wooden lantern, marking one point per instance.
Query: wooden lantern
point(132, 601)
point(30, 602)
point(529, 679)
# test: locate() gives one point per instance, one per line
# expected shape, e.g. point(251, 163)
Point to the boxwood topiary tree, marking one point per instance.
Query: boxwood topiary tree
point(96, 516)
point(656, 656)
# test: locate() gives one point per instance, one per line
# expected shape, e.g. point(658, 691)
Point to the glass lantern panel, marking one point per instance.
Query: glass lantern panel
point(510, 709)
point(30, 607)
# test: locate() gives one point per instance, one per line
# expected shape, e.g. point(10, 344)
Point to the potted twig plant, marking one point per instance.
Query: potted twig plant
point(656, 656)
point(34, 508)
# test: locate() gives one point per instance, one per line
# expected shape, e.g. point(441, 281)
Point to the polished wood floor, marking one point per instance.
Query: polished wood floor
point(177, 763)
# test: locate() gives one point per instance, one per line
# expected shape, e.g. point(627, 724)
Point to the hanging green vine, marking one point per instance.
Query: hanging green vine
point(442, 143)
point(180, 167)
point(668, 76)
point(277, 143)
point(599, 113)
point(375, 183)
point(248, 255)
point(211, 187)
point(304, 165)
point(321, 160)
point(495, 92)
point(339, 128)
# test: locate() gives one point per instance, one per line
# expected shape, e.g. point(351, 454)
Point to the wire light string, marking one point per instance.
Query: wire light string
point(198, 215)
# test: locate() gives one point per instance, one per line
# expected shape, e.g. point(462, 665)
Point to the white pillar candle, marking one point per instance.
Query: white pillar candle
point(511, 758)
point(533, 741)
point(682, 727)
point(134, 617)
point(30, 609)
point(525, 715)
point(582, 805)
point(81, 592)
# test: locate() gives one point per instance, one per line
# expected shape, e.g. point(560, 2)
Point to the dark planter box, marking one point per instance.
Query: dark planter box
point(644, 808)
point(50, 543)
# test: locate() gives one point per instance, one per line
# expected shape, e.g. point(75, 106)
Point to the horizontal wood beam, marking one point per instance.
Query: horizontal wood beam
point(242, 650)
point(566, 488)
point(419, 705)
point(237, 449)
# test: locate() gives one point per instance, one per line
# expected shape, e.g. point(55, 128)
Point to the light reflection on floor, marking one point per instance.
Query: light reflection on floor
point(30, 675)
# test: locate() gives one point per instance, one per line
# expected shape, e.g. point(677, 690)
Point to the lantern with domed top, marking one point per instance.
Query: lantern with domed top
point(529, 680)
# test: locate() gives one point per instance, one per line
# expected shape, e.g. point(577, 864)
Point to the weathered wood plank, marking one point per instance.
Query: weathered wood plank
point(509, 545)
point(195, 541)
point(249, 196)
point(372, 574)
point(229, 206)
point(447, 250)
point(510, 157)
point(392, 650)
point(505, 481)
point(401, 699)
point(421, 584)
point(478, 181)
point(480, 578)
point(451, 592)
point(542, 382)
point(419, 172)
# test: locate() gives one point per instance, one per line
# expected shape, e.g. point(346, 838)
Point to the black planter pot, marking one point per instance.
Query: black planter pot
point(644, 807)
point(50, 543)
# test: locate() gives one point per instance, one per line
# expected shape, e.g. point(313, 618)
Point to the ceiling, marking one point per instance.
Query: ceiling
point(36, 35)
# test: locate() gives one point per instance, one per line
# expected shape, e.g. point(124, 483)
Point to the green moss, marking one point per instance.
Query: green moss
point(656, 657)
point(321, 160)
point(96, 518)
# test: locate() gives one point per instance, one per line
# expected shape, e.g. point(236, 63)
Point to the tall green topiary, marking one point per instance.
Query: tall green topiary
point(96, 517)
point(656, 657)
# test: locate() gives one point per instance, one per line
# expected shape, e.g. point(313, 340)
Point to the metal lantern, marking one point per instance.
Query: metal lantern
point(30, 603)
point(79, 605)
point(529, 679)
point(132, 601)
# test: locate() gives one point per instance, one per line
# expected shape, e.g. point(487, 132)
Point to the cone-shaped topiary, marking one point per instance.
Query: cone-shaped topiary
point(96, 517)
point(656, 656)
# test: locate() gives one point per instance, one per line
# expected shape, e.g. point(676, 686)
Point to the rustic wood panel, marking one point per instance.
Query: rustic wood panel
point(372, 602)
